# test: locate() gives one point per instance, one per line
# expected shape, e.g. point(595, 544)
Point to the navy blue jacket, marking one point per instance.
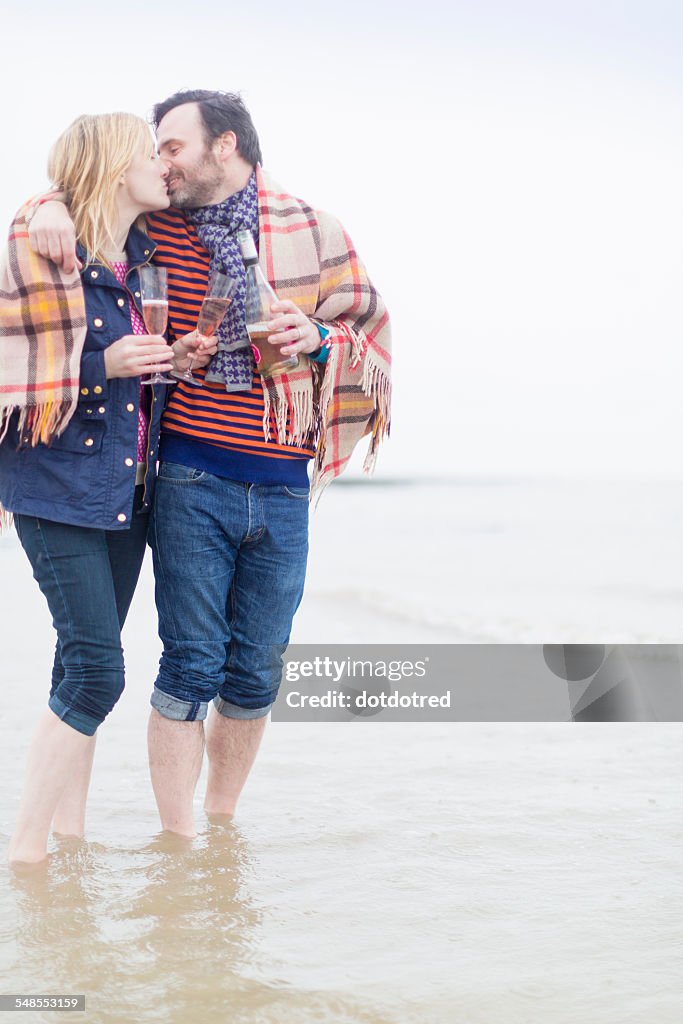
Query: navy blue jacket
point(86, 476)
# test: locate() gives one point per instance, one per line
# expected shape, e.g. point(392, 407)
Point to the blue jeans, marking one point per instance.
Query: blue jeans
point(88, 578)
point(229, 563)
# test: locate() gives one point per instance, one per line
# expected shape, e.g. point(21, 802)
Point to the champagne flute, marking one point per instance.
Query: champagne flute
point(154, 295)
point(219, 295)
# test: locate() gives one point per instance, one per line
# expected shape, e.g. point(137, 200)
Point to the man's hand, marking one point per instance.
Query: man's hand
point(52, 235)
point(296, 332)
point(136, 354)
point(190, 349)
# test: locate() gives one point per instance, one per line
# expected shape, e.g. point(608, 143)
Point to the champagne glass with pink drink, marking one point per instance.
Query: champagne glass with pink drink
point(154, 295)
point(219, 295)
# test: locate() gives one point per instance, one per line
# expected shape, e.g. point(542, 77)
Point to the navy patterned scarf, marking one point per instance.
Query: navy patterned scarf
point(217, 227)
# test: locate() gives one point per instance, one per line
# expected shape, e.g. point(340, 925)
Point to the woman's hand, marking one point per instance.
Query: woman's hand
point(136, 354)
point(297, 332)
point(191, 349)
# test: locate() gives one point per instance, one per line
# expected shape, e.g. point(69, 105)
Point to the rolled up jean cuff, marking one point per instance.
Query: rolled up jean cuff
point(79, 721)
point(177, 709)
point(228, 710)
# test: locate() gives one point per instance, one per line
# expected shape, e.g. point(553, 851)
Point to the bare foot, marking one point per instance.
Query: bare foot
point(19, 859)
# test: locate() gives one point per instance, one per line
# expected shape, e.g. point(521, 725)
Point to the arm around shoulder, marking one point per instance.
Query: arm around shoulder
point(52, 234)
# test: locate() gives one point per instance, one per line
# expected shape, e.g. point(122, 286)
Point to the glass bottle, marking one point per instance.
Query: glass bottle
point(259, 298)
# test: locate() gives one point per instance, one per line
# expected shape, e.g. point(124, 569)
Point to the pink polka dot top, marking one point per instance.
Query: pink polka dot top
point(138, 327)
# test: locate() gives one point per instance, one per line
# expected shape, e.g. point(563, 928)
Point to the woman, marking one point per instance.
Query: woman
point(80, 494)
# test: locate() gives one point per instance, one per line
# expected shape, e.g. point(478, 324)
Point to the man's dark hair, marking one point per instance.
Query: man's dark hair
point(220, 112)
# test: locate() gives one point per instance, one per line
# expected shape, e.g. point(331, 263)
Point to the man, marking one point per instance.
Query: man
point(230, 526)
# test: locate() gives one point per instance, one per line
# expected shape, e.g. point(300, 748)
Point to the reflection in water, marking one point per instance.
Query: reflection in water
point(163, 929)
point(191, 912)
point(165, 932)
point(53, 911)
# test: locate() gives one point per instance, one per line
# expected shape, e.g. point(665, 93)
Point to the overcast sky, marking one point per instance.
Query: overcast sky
point(510, 173)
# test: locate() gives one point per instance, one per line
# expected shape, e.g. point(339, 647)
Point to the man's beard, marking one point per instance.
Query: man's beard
point(198, 186)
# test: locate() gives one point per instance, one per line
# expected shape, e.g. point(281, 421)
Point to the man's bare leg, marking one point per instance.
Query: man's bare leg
point(55, 753)
point(231, 745)
point(69, 819)
point(176, 751)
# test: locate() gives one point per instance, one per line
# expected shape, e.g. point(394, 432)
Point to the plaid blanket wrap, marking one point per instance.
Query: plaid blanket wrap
point(42, 332)
point(308, 257)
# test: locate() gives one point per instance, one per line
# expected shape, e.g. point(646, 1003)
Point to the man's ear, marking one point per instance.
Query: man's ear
point(225, 145)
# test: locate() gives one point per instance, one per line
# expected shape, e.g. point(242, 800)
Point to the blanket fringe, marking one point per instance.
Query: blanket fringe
point(297, 406)
point(377, 385)
point(6, 520)
point(293, 398)
point(5, 417)
point(46, 421)
point(318, 485)
point(356, 337)
point(39, 423)
point(306, 403)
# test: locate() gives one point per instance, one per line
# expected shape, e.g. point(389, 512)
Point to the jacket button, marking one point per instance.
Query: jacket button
point(128, 462)
point(98, 321)
point(89, 411)
point(130, 407)
point(89, 442)
point(122, 517)
point(102, 410)
point(120, 303)
point(84, 391)
point(94, 273)
point(146, 252)
point(137, 295)
point(97, 389)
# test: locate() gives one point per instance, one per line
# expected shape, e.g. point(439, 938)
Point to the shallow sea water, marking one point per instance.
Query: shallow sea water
point(376, 872)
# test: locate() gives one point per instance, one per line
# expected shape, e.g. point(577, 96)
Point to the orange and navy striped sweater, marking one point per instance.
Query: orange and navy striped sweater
point(207, 427)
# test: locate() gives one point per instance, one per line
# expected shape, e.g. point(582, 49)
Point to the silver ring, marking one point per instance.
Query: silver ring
point(298, 331)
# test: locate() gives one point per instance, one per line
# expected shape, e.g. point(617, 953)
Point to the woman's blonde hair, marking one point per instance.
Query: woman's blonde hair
point(86, 164)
